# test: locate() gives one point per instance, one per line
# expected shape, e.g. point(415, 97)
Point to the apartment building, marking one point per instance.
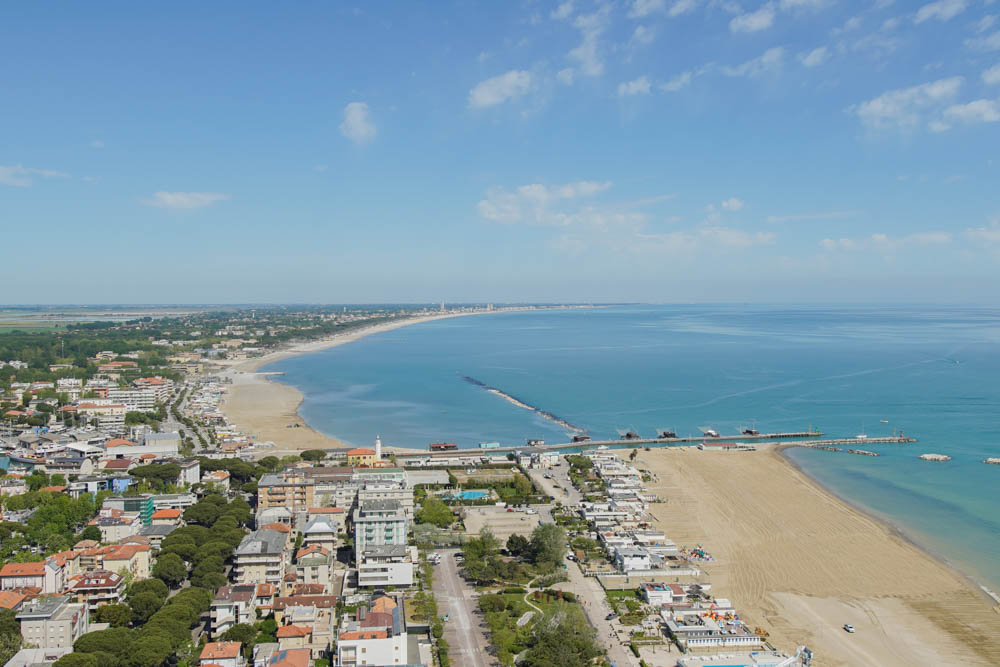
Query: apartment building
point(291, 490)
point(233, 605)
point(261, 557)
point(49, 576)
point(387, 565)
point(377, 636)
point(98, 588)
point(378, 523)
point(53, 622)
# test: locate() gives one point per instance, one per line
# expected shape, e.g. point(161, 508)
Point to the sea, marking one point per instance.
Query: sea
point(931, 372)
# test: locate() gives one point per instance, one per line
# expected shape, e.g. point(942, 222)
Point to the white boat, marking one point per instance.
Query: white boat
point(602, 447)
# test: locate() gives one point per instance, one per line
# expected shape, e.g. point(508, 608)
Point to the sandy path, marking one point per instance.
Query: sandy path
point(800, 563)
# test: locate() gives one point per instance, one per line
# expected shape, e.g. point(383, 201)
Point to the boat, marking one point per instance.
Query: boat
point(581, 438)
point(629, 435)
point(666, 434)
point(602, 447)
point(883, 421)
point(708, 432)
point(750, 431)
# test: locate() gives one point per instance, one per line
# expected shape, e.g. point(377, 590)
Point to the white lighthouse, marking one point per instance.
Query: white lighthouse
point(378, 448)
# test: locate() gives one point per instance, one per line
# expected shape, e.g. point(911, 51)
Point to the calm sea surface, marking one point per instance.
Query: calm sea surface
point(933, 372)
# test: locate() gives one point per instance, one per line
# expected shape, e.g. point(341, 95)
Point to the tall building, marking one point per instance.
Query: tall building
point(53, 622)
point(378, 523)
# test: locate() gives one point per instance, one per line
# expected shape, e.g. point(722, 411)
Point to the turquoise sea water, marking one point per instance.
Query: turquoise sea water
point(933, 372)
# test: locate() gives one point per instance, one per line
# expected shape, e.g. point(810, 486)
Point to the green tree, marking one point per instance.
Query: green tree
point(117, 615)
point(154, 586)
point(202, 513)
point(548, 544)
point(143, 606)
point(170, 569)
point(241, 632)
point(78, 660)
point(563, 638)
point(518, 545)
point(115, 641)
point(91, 533)
point(434, 511)
point(150, 651)
point(313, 455)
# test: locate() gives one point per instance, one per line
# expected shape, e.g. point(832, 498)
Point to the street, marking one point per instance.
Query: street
point(464, 633)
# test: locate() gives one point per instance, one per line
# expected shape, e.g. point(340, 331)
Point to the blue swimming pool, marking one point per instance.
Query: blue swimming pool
point(470, 495)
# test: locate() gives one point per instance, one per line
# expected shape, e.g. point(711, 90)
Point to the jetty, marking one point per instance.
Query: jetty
point(993, 461)
point(934, 457)
point(863, 452)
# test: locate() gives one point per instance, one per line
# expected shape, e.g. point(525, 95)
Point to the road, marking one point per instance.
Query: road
point(465, 634)
point(567, 495)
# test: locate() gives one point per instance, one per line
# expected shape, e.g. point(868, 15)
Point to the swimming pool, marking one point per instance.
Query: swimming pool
point(470, 495)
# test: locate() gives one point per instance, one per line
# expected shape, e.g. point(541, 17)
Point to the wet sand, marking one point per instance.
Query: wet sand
point(800, 563)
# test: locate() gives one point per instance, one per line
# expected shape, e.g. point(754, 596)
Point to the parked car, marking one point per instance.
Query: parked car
point(848, 628)
point(610, 617)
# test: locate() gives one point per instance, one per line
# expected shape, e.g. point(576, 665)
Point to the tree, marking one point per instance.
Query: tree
point(91, 533)
point(635, 453)
point(170, 569)
point(241, 632)
point(434, 511)
point(563, 638)
point(150, 651)
point(8, 623)
point(548, 544)
point(154, 586)
point(78, 660)
point(186, 550)
point(117, 615)
point(518, 545)
point(115, 641)
point(143, 606)
point(313, 455)
point(202, 513)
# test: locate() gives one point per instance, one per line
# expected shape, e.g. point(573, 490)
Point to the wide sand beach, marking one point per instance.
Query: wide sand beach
point(800, 563)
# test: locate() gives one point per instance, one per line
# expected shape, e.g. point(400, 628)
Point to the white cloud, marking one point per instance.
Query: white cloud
point(681, 7)
point(978, 111)
point(938, 126)
point(638, 86)
point(902, 108)
point(769, 60)
point(643, 8)
point(791, 5)
point(727, 236)
point(588, 53)
point(942, 10)
point(357, 125)
point(97, 143)
point(990, 234)
point(563, 11)
point(992, 75)
point(990, 43)
point(184, 200)
point(985, 23)
point(816, 57)
point(642, 36)
point(732, 204)
point(19, 176)
point(565, 76)
point(677, 82)
point(761, 19)
point(805, 217)
point(886, 243)
point(501, 88)
point(535, 204)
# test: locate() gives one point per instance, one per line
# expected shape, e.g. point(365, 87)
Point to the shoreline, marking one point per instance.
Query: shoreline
point(799, 560)
point(890, 525)
point(259, 404)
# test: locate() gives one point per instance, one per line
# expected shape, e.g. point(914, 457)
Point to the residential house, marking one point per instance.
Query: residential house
point(233, 605)
point(261, 557)
point(216, 478)
point(223, 654)
point(167, 517)
point(377, 636)
point(49, 576)
point(97, 588)
point(314, 565)
point(361, 457)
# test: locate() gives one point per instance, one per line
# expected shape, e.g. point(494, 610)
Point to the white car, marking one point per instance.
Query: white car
point(848, 628)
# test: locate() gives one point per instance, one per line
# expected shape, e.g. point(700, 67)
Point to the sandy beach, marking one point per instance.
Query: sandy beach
point(800, 563)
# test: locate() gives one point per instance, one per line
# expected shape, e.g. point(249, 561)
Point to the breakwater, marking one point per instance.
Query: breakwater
point(555, 419)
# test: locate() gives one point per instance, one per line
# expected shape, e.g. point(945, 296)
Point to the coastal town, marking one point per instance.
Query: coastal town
point(142, 525)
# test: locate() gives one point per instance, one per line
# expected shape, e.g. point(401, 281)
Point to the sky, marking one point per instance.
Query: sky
point(586, 151)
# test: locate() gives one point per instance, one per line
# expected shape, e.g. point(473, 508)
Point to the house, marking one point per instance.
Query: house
point(386, 565)
point(167, 517)
point(53, 622)
point(116, 528)
point(630, 559)
point(661, 594)
point(361, 457)
point(376, 637)
point(155, 534)
point(223, 654)
point(131, 559)
point(314, 565)
point(233, 605)
point(271, 655)
point(97, 588)
point(296, 637)
point(49, 576)
point(190, 473)
point(217, 478)
point(12, 600)
point(12, 487)
point(321, 531)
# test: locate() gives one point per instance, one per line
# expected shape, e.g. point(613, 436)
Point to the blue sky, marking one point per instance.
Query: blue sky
point(654, 150)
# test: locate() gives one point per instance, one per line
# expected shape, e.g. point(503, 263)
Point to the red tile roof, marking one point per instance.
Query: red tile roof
point(166, 514)
point(22, 570)
point(377, 634)
point(360, 451)
point(221, 650)
point(293, 631)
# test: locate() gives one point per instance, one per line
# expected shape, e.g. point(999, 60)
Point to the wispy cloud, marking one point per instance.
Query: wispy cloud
point(992, 75)
point(677, 82)
point(732, 204)
point(942, 10)
point(588, 54)
point(808, 217)
point(499, 89)
point(357, 124)
point(97, 143)
point(904, 108)
point(761, 19)
point(989, 43)
point(816, 57)
point(547, 205)
point(638, 86)
point(978, 111)
point(767, 61)
point(988, 234)
point(643, 8)
point(181, 201)
point(563, 11)
point(887, 243)
point(19, 176)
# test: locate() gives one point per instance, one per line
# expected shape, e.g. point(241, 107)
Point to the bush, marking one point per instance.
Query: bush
point(438, 630)
point(514, 590)
point(492, 603)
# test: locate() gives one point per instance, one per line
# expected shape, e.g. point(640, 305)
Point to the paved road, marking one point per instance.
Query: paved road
point(468, 641)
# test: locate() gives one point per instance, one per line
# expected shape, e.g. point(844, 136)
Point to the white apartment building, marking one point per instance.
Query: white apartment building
point(261, 557)
point(53, 622)
point(378, 523)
